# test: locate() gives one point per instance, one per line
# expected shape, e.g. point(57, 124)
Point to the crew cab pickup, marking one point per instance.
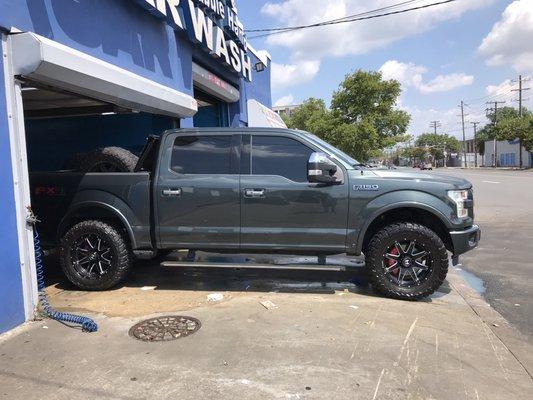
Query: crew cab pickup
point(256, 190)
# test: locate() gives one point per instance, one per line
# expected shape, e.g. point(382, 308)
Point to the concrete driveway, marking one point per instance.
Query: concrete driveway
point(326, 338)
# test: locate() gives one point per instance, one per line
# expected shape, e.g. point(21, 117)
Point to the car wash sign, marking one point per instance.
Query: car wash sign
point(213, 24)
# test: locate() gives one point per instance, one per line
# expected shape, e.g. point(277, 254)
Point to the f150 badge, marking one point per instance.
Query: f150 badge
point(366, 188)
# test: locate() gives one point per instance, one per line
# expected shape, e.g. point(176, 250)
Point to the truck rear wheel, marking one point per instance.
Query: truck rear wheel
point(94, 255)
point(406, 261)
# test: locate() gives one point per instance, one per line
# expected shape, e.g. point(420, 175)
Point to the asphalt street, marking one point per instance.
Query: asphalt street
point(504, 258)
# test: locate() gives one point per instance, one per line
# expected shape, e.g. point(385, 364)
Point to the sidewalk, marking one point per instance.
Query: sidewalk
point(332, 341)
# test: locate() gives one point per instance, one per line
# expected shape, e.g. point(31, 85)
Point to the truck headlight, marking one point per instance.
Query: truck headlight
point(459, 197)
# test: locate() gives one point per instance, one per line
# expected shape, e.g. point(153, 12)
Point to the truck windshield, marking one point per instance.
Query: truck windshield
point(334, 151)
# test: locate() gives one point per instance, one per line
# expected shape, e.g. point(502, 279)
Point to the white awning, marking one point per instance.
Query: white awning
point(46, 61)
point(260, 115)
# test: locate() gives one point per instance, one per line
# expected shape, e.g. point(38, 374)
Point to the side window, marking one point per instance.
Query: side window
point(275, 155)
point(202, 155)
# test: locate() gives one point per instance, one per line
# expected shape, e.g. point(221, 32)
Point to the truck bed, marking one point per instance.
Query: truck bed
point(55, 194)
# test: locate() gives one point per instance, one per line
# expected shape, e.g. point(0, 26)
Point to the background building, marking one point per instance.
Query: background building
point(285, 111)
point(77, 75)
point(508, 155)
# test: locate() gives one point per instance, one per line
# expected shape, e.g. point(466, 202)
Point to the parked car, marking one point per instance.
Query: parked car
point(426, 166)
point(255, 190)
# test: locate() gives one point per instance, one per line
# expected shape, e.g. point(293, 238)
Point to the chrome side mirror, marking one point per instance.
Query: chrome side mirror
point(320, 169)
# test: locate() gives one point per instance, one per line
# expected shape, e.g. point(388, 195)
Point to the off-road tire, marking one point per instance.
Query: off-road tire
point(121, 255)
point(74, 162)
point(109, 159)
point(386, 237)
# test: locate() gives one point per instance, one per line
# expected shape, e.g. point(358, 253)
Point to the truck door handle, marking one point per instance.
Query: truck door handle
point(254, 193)
point(172, 192)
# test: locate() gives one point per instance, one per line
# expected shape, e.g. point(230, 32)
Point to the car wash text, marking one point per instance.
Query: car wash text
point(213, 24)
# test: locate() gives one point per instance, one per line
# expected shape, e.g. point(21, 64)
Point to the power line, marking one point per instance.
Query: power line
point(352, 18)
point(520, 90)
point(343, 19)
point(475, 124)
point(495, 142)
point(435, 125)
point(462, 105)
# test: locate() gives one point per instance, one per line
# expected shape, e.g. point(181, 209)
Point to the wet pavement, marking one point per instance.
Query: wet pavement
point(504, 210)
point(273, 335)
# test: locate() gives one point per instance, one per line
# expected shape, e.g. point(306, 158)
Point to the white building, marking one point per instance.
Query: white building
point(507, 154)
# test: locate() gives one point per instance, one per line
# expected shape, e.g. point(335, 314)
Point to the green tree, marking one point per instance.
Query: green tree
point(362, 119)
point(438, 143)
point(491, 130)
point(310, 111)
point(517, 128)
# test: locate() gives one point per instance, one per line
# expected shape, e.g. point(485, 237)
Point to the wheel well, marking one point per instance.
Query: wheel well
point(407, 214)
point(93, 213)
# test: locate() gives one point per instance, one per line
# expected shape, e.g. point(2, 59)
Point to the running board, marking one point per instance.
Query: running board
point(292, 267)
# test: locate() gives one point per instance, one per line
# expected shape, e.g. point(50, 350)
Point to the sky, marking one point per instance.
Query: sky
point(466, 50)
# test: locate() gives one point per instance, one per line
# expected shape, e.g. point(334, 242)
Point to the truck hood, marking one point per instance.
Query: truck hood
point(459, 183)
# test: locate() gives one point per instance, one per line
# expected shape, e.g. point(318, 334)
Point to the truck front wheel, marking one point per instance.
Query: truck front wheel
point(94, 255)
point(406, 261)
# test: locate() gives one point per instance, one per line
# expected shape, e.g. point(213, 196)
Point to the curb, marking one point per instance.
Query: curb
point(509, 336)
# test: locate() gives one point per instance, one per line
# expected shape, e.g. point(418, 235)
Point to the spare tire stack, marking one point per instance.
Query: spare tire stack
point(106, 159)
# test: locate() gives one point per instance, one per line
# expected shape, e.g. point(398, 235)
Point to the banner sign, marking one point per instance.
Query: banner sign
point(213, 24)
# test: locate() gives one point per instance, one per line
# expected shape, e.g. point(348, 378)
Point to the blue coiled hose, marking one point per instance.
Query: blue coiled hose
point(87, 324)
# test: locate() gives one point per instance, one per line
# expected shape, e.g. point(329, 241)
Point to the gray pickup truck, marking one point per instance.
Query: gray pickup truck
point(247, 190)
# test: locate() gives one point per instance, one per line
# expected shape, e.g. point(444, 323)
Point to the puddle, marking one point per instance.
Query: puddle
point(473, 281)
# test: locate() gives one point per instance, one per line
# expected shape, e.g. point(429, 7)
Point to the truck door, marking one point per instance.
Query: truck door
point(197, 191)
point(280, 208)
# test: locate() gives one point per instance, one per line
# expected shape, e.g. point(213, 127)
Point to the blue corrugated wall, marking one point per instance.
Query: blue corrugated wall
point(11, 300)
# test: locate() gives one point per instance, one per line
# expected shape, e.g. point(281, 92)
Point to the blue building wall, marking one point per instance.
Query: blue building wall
point(11, 299)
point(124, 34)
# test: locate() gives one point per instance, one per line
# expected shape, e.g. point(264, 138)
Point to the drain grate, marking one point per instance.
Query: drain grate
point(164, 329)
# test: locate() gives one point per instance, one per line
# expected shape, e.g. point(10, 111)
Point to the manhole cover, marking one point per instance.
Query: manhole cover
point(163, 329)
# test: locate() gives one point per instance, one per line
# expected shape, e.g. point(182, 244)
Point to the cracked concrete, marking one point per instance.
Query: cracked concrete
point(315, 345)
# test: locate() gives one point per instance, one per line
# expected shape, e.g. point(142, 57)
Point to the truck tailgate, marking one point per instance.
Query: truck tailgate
point(54, 194)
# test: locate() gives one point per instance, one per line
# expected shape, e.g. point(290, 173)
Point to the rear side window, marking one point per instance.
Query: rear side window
point(276, 155)
point(202, 155)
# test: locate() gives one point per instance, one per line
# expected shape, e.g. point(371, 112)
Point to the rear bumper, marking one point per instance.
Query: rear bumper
point(465, 240)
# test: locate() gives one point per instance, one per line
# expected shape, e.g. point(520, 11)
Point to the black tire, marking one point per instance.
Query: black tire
point(103, 271)
point(109, 159)
point(430, 270)
point(75, 162)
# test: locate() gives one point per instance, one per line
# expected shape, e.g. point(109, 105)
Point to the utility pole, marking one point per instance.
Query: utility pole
point(462, 105)
point(520, 90)
point(434, 125)
point(495, 155)
point(475, 142)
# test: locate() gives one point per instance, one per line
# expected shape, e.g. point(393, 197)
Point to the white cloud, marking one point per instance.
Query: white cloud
point(510, 40)
point(284, 101)
point(355, 37)
point(285, 75)
point(410, 75)
point(444, 83)
point(506, 91)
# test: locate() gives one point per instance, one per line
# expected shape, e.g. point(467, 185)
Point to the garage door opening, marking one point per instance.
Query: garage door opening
point(212, 112)
point(62, 102)
point(61, 126)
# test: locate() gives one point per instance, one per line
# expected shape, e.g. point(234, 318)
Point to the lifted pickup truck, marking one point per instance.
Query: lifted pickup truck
point(256, 191)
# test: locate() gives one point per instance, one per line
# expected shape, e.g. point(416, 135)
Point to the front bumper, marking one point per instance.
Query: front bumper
point(465, 240)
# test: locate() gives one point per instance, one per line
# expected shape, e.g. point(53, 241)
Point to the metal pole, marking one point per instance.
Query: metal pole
point(464, 135)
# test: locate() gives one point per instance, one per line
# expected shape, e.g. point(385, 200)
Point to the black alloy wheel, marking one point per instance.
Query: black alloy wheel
point(95, 255)
point(406, 261)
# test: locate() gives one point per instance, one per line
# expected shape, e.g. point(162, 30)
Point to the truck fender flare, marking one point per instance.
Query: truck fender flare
point(398, 205)
point(92, 205)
